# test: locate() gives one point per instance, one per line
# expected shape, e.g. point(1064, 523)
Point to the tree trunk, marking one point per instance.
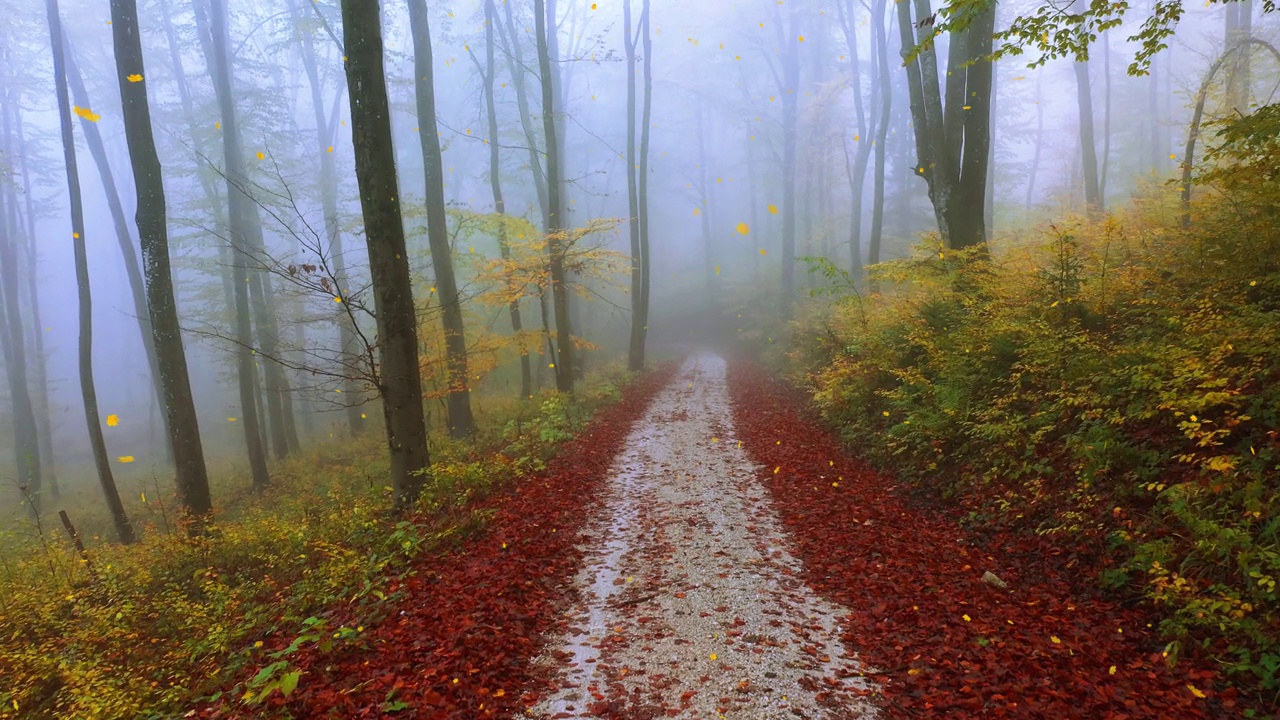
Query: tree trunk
point(789, 88)
point(857, 180)
point(124, 238)
point(399, 382)
point(461, 423)
point(179, 405)
point(635, 356)
point(704, 203)
point(1088, 147)
point(884, 95)
point(1035, 158)
point(1106, 118)
point(495, 184)
point(518, 70)
point(642, 185)
point(556, 223)
point(239, 227)
point(89, 393)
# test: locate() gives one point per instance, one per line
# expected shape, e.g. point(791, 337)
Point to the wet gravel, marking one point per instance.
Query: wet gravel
point(691, 605)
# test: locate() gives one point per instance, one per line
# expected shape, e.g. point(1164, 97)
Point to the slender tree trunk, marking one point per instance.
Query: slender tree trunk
point(88, 391)
point(556, 223)
point(885, 103)
point(1088, 146)
point(495, 184)
point(240, 220)
point(790, 91)
point(704, 203)
point(1106, 118)
point(179, 404)
point(642, 184)
point(858, 177)
point(989, 200)
point(461, 424)
point(1039, 144)
point(399, 382)
point(40, 366)
point(519, 78)
point(124, 238)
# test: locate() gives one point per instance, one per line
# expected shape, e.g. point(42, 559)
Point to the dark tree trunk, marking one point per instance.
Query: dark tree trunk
point(179, 405)
point(240, 222)
point(556, 240)
point(89, 393)
point(495, 184)
point(399, 383)
point(461, 424)
point(1088, 146)
point(124, 238)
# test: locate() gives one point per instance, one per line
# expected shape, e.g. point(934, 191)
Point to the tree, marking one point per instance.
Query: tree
point(639, 211)
point(1088, 145)
point(461, 423)
point(399, 383)
point(495, 184)
point(242, 222)
point(884, 101)
point(124, 529)
point(642, 187)
point(563, 357)
point(788, 82)
point(179, 405)
point(952, 140)
point(858, 172)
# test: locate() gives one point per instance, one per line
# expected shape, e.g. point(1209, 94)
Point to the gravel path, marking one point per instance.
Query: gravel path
point(690, 604)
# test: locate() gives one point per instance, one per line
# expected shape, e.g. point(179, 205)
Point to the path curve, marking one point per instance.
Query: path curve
point(690, 604)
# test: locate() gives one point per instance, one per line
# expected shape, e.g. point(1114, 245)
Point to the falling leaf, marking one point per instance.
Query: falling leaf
point(262, 156)
point(136, 77)
point(231, 419)
point(86, 113)
point(125, 458)
point(113, 420)
point(697, 212)
point(773, 209)
point(743, 229)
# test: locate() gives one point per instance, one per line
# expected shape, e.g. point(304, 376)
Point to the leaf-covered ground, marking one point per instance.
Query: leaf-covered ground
point(458, 642)
point(947, 644)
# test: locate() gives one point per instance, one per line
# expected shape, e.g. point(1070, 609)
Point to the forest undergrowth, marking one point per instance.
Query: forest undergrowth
point(189, 617)
point(1109, 385)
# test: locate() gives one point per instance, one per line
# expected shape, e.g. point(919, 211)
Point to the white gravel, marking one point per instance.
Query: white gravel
point(691, 605)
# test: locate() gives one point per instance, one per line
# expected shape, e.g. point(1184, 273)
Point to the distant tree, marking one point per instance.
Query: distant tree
point(179, 405)
point(884, 102)
point(461, 423)
point(399, 382)
point(124, 529)
point(489, 74)
point(638, 219)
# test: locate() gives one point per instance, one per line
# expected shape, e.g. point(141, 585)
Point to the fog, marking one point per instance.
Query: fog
point(716, 180)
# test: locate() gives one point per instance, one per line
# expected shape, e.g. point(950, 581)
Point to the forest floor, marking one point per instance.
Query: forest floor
point(705, 549)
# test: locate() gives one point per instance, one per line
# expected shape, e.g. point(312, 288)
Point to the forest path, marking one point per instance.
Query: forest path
point(690, 604)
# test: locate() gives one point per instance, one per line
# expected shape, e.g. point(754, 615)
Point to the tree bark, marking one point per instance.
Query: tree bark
point(789, 88)
point(179, 404)
point(461, 423)
point(884, 94)
point(399, 383)
point(642, 184)
point(88, 391)
point(556, 226)
point(635, 355)
point(1088, 146)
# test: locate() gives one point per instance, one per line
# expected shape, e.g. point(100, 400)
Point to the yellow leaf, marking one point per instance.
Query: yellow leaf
point(773, 209)
point(86, 113)
point(231, 419)
point(713, 657)
point(966, 618)
point(1112, 671)
point(125, 458)
point(113, 420)
point(762, 251)
point(1055, 639)
point(697, 212)
point(261, 156)
point(1195, 691)
point(136, 77)
point(743, 229)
